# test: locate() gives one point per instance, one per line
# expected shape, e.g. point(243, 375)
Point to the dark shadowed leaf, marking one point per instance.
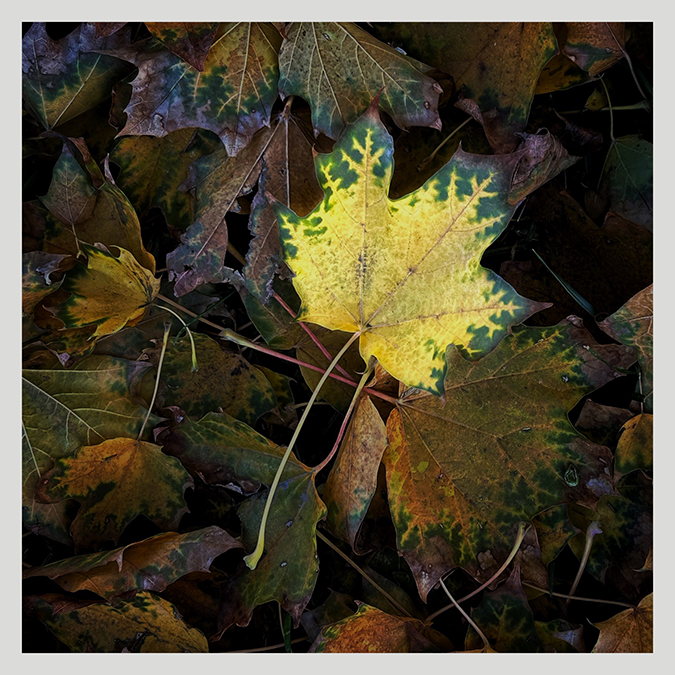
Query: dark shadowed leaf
point(189, 40)
point(506, 619)
point(633, 325)
point(560, 636)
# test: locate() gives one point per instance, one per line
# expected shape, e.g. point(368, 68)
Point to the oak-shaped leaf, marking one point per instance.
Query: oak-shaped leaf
point(226, 452)
point(115, 481)
point(189, 40)
point(505, 617)
point(143, 623)
point(353, 479)
point(339, 67)
point(371, 630)
point(633, 325)
point(232, 95)
point(629, 631)
point(153, 169)
point(107, 292)
point(62, 79)
point(148, 565)
point(508, 413)
point(64, 409)
point(224, 380)
point(495, 66)
point(406, 273)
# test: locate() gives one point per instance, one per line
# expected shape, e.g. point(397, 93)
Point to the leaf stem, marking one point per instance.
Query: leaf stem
point(426, 160)
point(165, 340)
point(522, 529)
point(371, 581)
point(252, 559)
point(486, 644)
point(628, 59)
point(591, 531)
point(357, 393)
point(189, 332)
point(309, 332)
point(611, 112)
point(266, 649)
point(576, 597)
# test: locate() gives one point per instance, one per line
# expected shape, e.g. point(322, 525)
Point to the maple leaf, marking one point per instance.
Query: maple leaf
point(629, 631)
point(135, 477)
point(232, 95)
point(353, 479)
point(64, 79)
point(338, 68)
point(372, 630)
point(222, 450)
point(595, 46)
point(108, 292)
point(496, 66)
point(508, 413)
point(189, 40)
point(66, 409)
point(405, 273)
point(144, 623)
point(149, 565)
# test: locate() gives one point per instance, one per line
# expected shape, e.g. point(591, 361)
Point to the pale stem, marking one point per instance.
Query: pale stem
point(425, 161)
point(252, 559)
point(591, 531)
point(266, 649)
point(628, 59)
point(522, 528)
point(611, 112)
point(576, 597)
point(486, 644)
point(189, 332)
point(336, 445)
point(165, 340)
point(371, 581)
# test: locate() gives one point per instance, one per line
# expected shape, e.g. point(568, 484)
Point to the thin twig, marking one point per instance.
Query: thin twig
point(266, 649)
point(628, 59)
point(522, 528)
point(472, 623)
point(426, 160)
point(576, 597)
point(591, 531)
point(362, 573)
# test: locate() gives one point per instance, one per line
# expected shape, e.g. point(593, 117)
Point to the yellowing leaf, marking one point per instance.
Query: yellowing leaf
point(116, 481)
point(339, 68)
point(629, 631)
point(144, 623)
point(595, 46)
point(107, 292)
point(406, 273)
point(635, 449)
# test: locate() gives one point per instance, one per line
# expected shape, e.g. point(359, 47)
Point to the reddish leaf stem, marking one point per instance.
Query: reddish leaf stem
point(313, 337)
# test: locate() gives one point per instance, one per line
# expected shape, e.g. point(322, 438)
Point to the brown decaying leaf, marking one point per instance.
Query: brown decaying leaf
point(353, 479)
point(635, 447)
point(629, 631)
point(149, 565)
point(602, 423)
point(595, 46)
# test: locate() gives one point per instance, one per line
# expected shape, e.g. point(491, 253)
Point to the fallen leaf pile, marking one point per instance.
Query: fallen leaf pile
point(212, 211)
